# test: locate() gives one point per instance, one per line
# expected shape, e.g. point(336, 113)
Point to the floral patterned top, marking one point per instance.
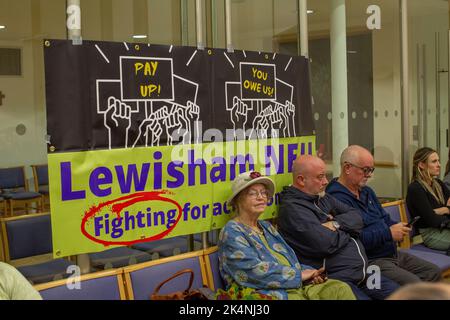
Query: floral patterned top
point(244, 259)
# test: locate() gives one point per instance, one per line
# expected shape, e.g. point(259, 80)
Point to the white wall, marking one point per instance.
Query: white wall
point(29, 22)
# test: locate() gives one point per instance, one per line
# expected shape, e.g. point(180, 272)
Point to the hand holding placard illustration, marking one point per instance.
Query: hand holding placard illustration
point(117, 119)
point(193, 111)
point(261, 123)
point(193, 115)
point(280, 121)
point(176, 123)
point(239, 114)
point(290, 114)
point(151, 128)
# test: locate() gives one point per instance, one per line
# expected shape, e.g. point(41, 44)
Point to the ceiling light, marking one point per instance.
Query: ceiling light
point(2, 27)
point(139, 36)
point(309, 11)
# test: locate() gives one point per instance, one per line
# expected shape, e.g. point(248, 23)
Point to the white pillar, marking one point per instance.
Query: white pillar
point(199, 20)
point(228, 35)
point(406, 156)
point(74, 21)
point(303, 25)
point(339, 94)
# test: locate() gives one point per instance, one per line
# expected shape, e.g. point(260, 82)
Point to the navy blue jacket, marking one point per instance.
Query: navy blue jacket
point(300, 221)
point(376, 235)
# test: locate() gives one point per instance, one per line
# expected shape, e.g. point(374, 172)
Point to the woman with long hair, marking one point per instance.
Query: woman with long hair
point(256, 262)
point(428, 197)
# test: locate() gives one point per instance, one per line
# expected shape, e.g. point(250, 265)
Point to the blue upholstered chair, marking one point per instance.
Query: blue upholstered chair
point(117, 258)
point(3, 206)
point(14, 188)
point(394, 209)
point(103, 285)
point(417, 248)
point(40, 177)
point(212, 239)
point(165, 247)
point(30, 236)
point(142, 279)
point(441, 260)
point(398, 208)
point(417, 244)
point(212, 269)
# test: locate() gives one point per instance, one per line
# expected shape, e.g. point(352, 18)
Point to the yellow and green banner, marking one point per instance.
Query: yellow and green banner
point(116, 197)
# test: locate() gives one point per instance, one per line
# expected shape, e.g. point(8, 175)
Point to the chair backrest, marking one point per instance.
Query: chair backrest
point(212, 237)
point(13, 178)
point(103, 285)
point(395, 210)
point(142, 279)
point(40, 175)
point(26, 236)
point(414, 232)
point(215, 280)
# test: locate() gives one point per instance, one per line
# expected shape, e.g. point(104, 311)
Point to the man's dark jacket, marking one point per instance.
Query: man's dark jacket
point(376, 235)
point(300, 223)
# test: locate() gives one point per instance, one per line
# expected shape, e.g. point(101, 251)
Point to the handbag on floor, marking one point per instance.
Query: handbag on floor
point(188, 294)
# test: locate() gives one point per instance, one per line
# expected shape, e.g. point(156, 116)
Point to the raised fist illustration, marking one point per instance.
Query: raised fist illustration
point(261, 123)
point(239, 114)
point(177, 124)
point(117, 119)
point(151, 128)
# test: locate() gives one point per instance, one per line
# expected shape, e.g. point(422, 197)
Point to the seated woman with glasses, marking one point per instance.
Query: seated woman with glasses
point(428, 198)
point(256, 262)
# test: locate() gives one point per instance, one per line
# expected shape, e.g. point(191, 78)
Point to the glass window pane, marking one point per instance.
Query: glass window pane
point(260, 25)
point(116, 20)
point(373, 84)
point(428, 51)
point(320, 66)
point(373, 62)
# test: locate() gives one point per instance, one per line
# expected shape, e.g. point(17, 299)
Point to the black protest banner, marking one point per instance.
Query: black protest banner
point(121, 95)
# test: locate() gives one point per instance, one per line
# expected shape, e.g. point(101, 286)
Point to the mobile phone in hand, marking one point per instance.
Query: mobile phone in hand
point(324, 275)
point(413, 221)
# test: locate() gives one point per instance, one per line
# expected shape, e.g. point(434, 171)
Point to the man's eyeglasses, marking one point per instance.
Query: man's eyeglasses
point(255, 194)
point(367, 170)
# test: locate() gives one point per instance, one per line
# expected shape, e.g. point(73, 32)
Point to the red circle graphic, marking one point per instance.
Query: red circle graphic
point(123, 202)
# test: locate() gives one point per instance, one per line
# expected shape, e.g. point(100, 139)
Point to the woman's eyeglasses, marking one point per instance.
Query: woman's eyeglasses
point(255, 194)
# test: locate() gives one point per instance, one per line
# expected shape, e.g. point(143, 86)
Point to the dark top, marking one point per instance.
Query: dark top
point(421, 203)
point(376, 235)
point(300, 221)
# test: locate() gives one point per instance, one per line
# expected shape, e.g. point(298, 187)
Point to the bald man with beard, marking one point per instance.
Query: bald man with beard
point(380, 233)
point(324, 232)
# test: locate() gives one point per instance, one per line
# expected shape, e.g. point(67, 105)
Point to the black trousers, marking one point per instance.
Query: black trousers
point(407, 268)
